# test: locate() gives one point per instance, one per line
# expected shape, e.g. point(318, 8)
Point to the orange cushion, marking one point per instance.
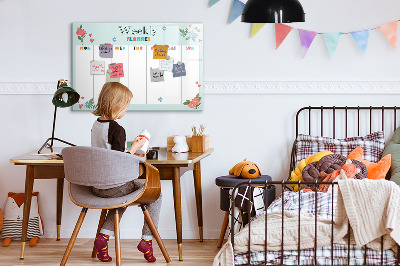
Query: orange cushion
point(375, 170)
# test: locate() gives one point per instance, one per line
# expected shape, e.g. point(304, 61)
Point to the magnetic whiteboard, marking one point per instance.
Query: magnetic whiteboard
point(134, 55)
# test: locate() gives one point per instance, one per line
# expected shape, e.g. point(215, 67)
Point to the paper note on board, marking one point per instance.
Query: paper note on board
point(156, 75)
point(97, 67)
point(106, 50)
point(160, 51)
point(167, 64)
point(109, 79)
point(117, 70)
point(179, 70)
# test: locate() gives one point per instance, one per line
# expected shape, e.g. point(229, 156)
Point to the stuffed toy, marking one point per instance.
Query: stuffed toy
point(245, 169)
point(1, 220)
point(296, 174)
point(348, 170)
point(180, 144)
point(375, 170)
point(13, 215)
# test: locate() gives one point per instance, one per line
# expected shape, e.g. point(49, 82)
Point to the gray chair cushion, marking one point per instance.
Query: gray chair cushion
point(99, 167)
point(84, 196)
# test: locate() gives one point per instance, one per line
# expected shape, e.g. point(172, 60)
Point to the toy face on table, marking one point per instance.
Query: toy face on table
point(245, 169)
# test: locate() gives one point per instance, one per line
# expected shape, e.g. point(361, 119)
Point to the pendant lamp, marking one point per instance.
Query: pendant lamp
point(64, 96)
point(273, 11)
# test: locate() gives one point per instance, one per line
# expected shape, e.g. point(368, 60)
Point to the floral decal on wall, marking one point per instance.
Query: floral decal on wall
point(190, 33)
point(81, 33)
point(194, 103)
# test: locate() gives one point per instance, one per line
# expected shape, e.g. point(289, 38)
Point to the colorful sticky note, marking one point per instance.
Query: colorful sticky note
point(179, 70)
point(160, 51)
point(109, 79)
point(117, 70)
point(166, 64)
point(106, 50)
point(156, 75)
point(97, 67)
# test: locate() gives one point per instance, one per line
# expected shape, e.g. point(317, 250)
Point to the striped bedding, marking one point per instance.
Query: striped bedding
point(306, 202)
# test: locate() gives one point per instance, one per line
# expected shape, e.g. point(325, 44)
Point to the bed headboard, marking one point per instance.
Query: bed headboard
point(344, 121)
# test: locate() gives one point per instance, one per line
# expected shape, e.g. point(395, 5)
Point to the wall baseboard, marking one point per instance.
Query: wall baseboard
point(250, 87)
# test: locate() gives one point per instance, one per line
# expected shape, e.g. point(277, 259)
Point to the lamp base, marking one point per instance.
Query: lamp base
point(50, 146)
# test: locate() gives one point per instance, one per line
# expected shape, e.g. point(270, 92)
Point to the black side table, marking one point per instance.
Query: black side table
point(226, 183)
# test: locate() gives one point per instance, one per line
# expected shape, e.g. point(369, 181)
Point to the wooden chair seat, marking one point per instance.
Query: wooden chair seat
point(82, 196)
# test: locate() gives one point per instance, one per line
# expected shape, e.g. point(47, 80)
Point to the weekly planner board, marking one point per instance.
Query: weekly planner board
point(161, 63)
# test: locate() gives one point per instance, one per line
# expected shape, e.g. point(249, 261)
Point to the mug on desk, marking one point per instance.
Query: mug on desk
point(152, 155)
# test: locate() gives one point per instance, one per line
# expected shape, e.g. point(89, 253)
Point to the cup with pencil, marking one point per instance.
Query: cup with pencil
point(199, 140)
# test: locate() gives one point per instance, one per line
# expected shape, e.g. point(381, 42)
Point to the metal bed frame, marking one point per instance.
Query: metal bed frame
point(283, 184)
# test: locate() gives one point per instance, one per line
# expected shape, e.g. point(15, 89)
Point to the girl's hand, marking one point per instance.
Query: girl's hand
point(137, 144)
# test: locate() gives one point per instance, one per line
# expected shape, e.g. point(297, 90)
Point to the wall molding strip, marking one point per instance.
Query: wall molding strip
point(250, 87)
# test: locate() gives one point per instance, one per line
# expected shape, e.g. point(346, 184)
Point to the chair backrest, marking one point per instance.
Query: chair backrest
point(92, 166)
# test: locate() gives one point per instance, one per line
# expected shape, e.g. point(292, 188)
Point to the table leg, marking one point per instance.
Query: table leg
point(27, 206)
point(199, 205)
point(176, 183)
point(60, 190)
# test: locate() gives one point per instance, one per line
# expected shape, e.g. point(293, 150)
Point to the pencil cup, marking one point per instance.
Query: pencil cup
point(200, 143)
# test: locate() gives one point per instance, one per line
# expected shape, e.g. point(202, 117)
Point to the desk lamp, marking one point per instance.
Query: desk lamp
point(273, 11)
point(63, 97)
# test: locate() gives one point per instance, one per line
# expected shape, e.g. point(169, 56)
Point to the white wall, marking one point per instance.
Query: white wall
point(36, 44)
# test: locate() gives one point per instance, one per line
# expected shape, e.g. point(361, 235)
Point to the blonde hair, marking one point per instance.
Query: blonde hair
point(113, 97)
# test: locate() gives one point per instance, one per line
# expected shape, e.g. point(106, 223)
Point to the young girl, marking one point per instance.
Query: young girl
point(113, 103)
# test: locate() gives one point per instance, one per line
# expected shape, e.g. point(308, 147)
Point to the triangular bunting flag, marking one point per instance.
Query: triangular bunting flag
point(306, 39)
point(213, 2)
point(281, 31)
point(237, 9)
point(332, 41)
point(389, 30)
point(361, 37)
point(256, 28)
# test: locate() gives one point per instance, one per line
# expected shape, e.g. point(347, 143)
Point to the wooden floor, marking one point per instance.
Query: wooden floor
point(50, 252)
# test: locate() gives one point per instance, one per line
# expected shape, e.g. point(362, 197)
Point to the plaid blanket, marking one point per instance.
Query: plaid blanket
point(323, 205)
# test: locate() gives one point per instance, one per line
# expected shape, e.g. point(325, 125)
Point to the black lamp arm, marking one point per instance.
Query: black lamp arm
point(46, 143)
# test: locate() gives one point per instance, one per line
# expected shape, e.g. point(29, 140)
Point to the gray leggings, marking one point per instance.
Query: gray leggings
point(154, 208)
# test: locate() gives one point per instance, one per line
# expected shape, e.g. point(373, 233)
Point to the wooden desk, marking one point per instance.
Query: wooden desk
point(171, 167)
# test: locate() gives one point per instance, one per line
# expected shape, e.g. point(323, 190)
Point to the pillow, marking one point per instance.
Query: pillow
point(393, 148)
point(296, 174)
point(372, 144)
point(375, 170)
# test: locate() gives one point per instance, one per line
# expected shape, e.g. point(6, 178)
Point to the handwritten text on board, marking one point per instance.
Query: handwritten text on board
point(156, 75)
point(160, 51)
point(179, 70)
point(166, 64)
point(97, 67)
point(106, 50)
point(117, 70)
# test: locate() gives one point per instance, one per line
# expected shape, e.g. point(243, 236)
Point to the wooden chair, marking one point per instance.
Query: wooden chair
point(85, 167)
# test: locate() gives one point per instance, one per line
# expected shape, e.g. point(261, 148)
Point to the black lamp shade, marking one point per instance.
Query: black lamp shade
point(273, 11)
point(73, 96)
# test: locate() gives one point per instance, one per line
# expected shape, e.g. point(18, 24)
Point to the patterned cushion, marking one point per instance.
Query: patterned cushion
point(372, 144)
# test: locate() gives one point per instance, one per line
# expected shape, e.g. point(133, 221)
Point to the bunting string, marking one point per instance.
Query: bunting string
point(361, 37)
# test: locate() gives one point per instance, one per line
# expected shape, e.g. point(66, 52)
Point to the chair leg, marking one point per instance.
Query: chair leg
point(101, 222)
point(73, 237)
point(117, 239)
point(223, 229)
point(154, 230)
